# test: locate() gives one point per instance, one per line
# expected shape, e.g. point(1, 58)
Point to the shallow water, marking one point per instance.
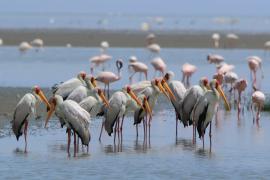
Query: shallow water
point(240, 150)
point(56, 64)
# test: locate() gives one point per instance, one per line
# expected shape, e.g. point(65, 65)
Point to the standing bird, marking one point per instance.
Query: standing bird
point(150, 38)
point(224, 68)
point(240, 86)
point(74, 117)
point(215, 58)
point(120, 103)
point(254, 63)
point(154, 48)
point(24, 46)
point(178, 90)
point(37, 43)
point(1, 42)
point(230, 78)
point(159, 65)
point(104, 45)
point(137, 67)
point(64, 89)
point(107, 77)
point(216, 38)
point(187, 71)
point(189, 101)
point(258, 98)
point(25, 109)
point(151, 93)
point(232, 39)
point(204, 109)
point(95, 61)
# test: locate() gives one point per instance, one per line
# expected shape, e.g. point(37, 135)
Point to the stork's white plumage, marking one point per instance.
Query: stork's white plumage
point(25, 110)
point(75, 118)
point(65, 88)
point(205, 108)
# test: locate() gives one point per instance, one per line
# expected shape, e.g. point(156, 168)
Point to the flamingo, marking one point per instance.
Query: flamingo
point(107, 77)
point(159, 65)
point(215, 58)
point(154, 48)
point(25, 109)
point(224, 68)
point(240, 86)
point(258, 99)
point(204, 109)
point(254, 63)
point(187, 71)
point(74, 117)
point(150, 38)
point(95, 61)
point(232, 38)
point(37, 43)
point(216, 38)
point(104, 46)
point(65, 88)
point(24, 46)
point(230, 78)
point(1, 42)
point(120, 103)
point(137, 67)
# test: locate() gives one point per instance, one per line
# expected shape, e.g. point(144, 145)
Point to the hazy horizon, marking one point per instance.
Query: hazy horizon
point(192, 7)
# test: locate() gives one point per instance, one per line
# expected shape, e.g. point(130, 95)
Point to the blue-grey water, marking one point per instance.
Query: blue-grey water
point(240, 148)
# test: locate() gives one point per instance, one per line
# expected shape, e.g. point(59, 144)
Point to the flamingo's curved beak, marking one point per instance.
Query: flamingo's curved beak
point(221, 92)
point(168, 89)
point(43, 98)
point(49, 114)
point(147, 107)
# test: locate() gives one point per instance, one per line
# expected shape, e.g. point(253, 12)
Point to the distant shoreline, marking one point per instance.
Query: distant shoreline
point(129, 38)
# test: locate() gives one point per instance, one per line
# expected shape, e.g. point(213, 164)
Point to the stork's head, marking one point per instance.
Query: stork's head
point(214, 84)
point(158, 86)
point(133, 95)
point(54, 101)
point(168, 89)
point(82, 75)
point(204, 83)
point(40, 94)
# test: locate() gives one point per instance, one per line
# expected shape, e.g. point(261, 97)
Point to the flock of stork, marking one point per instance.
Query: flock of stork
point(78, 100)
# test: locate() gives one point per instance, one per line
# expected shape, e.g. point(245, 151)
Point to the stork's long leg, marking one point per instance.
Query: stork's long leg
point(149, 125)
point(78, 143)
point(68, 145)
point(102, 126)
point(121, 127)
point(137, 133)
point(210, 136)
point(115, 129)
point(176, 125)
point(108, 91)
point(25, 135)
point(75, 146)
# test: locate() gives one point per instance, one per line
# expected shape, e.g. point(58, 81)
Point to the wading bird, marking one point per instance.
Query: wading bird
point(159, 65)
point(25, 110)
point(215, 58)
point(240, 86)
point(107, 77)
point(137, 67)
point(187, 71)
point(204, 109)
point(65, 88)
point(191, 97)
point(75, 118)
point(254, 63)
point(96, 61)
point(24, 46)
point(120, 103)
point(216, 38)
point(258, 99)
point(37, 43)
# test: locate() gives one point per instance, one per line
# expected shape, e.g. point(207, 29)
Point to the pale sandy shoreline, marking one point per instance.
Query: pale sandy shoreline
point(128, 38)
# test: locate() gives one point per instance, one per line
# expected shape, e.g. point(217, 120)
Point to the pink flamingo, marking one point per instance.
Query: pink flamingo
point(159, 65)
point(98, 60)
point(150, 38)
point(187, 71)
point(258, 98)
point(254, 63)
point(224, 68)
point(137, 67)
point(107, 77)
point(240, 86)
point(215, 58)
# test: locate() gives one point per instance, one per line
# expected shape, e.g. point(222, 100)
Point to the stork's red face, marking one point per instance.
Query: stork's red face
point(41, 95)
point(205, 82)
point(128, 89)
point(83, 75)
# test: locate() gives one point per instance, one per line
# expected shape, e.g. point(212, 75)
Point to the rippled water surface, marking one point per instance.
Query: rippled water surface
point(240, 148)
